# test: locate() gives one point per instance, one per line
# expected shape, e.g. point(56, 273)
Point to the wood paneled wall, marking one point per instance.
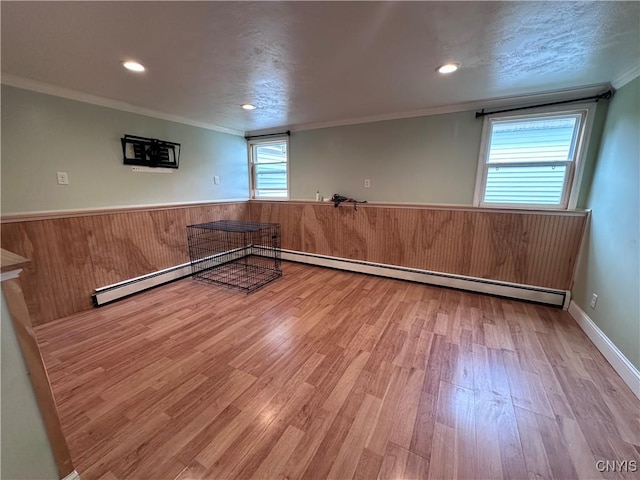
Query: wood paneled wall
point(74, 254)
point(533, 248)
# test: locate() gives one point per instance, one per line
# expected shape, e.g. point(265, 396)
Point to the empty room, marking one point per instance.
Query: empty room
point(309, 240)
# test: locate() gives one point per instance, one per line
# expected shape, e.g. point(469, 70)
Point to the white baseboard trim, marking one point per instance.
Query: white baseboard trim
point(460, 282)
point(627, 371)
point(72, 476)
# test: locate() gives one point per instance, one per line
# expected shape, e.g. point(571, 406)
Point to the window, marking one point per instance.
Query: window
point(531, 160)
point(269, 169)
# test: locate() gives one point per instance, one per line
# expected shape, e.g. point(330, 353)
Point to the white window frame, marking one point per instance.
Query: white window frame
point(252, 178)
point(573, 178)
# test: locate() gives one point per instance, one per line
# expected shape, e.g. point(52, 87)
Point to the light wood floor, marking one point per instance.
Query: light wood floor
point(327, 374)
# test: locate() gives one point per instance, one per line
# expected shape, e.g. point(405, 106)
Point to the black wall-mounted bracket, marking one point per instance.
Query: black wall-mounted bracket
point(150, 152)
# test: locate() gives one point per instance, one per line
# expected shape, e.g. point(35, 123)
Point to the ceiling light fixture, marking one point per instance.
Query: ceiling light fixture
point(448, 68)
point(133, 66)
point(248, 106)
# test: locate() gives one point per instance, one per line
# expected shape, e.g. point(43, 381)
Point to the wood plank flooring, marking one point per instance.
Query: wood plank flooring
point(329, 374)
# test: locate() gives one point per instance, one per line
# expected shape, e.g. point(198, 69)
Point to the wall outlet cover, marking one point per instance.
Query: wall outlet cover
point(63, 178)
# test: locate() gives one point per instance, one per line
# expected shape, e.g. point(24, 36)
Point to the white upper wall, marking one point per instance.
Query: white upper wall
point(429, 160)
point(43, 134)
point(414, 160)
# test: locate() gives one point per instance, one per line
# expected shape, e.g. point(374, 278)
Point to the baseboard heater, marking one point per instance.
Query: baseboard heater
point(559, 298)
point(125, 288)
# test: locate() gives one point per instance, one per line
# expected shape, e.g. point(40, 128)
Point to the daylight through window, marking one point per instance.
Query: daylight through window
point(269, 169)
point(530, 160)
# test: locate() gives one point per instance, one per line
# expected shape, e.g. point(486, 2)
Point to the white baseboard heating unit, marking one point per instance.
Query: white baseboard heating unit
point(125, 288)
point(559, 298)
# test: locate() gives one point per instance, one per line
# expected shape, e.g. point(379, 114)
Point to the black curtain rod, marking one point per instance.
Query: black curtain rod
point(603, 96)
point(250, 137)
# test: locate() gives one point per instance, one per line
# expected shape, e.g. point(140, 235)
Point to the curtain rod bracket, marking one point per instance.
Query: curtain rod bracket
point(606, 95)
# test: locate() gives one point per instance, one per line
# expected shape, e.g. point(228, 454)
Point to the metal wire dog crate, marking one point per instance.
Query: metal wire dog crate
point(240, 255)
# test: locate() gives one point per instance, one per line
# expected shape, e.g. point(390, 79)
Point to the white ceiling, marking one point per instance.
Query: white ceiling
point(307, 63)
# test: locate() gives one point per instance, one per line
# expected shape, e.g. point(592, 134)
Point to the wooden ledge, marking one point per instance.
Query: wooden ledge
point(30, 217)
point(424, 206)
point(12, 261)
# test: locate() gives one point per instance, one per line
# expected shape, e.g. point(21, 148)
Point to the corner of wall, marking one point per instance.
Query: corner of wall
point(593, 150)
point(609, 261)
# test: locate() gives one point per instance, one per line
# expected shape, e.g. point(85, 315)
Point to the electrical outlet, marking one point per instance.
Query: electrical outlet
point(594, 301)
point(216, 180)
point(367, 183)
point(63, 178)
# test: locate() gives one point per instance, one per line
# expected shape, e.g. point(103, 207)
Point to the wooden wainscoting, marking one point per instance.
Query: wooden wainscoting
point(72, 254)
point(75, 253)
point(520, 246)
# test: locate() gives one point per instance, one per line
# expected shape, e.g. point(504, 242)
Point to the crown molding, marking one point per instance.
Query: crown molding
point(555, 95)
point(41, 87)
point(46, 88)
point(626, 77)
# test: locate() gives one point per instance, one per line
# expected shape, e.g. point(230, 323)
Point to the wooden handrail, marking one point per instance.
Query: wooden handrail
point(21, 320)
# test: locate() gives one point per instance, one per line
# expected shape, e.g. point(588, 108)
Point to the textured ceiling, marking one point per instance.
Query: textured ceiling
point(313, 62)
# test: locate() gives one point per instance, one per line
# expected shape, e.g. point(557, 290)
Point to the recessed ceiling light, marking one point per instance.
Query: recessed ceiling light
point(448, 68)
point(248, 106)
point(133, 66)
